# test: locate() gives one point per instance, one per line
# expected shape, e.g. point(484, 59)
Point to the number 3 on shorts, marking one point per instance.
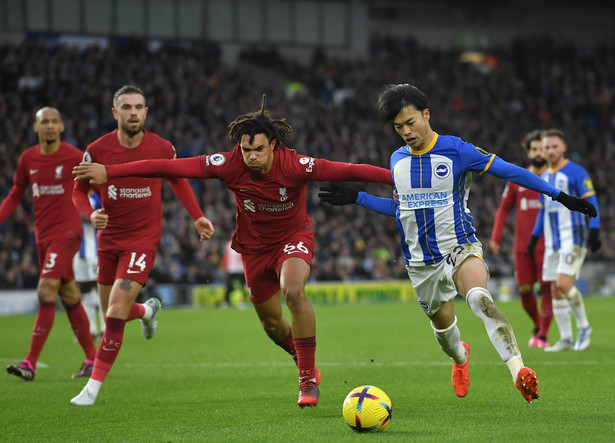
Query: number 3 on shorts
point(289, 248)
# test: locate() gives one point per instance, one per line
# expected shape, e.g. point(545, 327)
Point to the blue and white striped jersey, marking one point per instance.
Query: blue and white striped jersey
point(433, 186)
point(89, 243)
point(563, 228)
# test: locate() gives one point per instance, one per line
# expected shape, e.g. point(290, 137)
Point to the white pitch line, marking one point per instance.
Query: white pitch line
point(353, 364)
point(324, 364)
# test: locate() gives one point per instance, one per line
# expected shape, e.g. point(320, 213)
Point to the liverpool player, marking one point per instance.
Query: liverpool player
point(274, 232)
point(528, 270)
point(129, 228)
point(46, 168)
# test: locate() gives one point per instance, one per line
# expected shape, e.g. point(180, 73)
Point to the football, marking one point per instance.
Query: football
point(367, 408)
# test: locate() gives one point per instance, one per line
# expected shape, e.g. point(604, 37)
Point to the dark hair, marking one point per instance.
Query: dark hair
point(259, 122)
point(536, 134)
point(127, 89)
point(393, 98)
point(553, 132)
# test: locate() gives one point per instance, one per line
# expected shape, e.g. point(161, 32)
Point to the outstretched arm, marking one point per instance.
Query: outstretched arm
point(340, 171)
point(523, 177)
point(340, 195)
point(98, 174)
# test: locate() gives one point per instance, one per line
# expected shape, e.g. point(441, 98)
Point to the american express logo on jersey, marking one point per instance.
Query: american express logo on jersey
point(423, 200)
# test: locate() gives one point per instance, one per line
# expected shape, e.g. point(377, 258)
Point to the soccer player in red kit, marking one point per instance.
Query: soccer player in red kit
point(46, 168)
point(528, 270)
point(274, 233)
point(129, 228)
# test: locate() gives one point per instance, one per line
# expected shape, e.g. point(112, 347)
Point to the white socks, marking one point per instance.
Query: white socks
point(149, 311)
point(450, 343)
point(575, 299)
point(561, 312)
point(498, 329)
point(93, 386)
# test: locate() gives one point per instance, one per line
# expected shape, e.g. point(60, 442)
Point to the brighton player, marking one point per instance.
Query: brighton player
point(432, 176)
point(85, 266)
point(129, 229)
point(274, 233)
point(567, 236)
point(528, 270)
point(46, 169)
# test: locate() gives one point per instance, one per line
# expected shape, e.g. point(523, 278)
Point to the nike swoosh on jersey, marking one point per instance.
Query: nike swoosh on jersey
point(33, 171)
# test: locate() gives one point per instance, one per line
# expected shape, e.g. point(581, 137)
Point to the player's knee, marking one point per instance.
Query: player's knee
point(294, 295)
point(46, 290)
point(480, 301)
point(526, 289)
point(271, 326)
point(69, 300)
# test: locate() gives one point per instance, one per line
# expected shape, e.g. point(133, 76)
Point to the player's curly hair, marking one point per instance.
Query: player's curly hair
point(259, 122)
point(536, 134)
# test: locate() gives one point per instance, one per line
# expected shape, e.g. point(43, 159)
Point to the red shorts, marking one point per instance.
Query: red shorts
point(263, 270)
point(55, 257)
point(528, 270)
point(132, 265)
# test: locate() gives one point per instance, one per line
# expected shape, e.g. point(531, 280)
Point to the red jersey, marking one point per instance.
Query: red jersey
point(270, 207)
point(133, 204)
point(527, 204)
point(51, 180)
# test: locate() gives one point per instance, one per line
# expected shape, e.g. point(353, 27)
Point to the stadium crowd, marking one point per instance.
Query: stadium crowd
point(490, 99)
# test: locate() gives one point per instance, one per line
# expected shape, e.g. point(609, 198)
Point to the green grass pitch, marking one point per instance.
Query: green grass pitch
point(213, 375)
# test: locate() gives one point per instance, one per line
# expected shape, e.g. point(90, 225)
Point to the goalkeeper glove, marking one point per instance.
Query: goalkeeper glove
point(594, 239)
point(531, 246)
point(338, 195)
point(581, 205)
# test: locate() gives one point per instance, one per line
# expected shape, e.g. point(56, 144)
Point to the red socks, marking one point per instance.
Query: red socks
point(108, 348)
point(288, 344)
point(306, 350)
point(81, 327)
point(528, 300)
point(137, 310)
point(42, 326)
point(546, 310)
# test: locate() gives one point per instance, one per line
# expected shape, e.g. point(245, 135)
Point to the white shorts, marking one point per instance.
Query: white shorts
point(566, 262)
point(434, 284)
point(85, 262)
point(85, 269)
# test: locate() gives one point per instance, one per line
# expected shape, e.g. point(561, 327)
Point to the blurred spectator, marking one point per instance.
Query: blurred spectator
point(537, 82)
